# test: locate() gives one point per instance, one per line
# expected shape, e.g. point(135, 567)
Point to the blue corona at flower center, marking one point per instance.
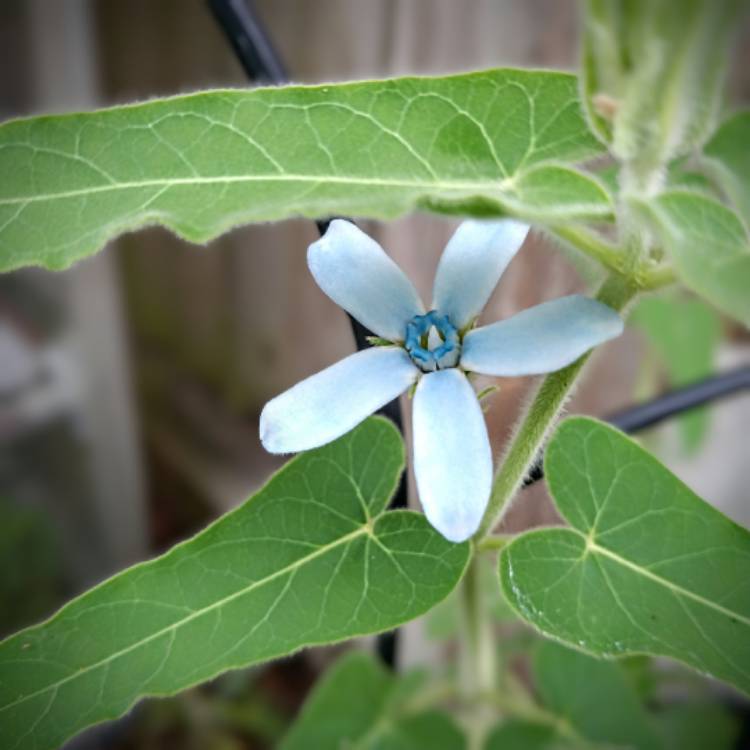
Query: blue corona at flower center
point(432, 341)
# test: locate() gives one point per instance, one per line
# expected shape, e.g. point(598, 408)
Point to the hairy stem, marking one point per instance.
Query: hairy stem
point(643, 274)
point(477, 668)
point(478, 658)
point(591, 244)
point(540, 417)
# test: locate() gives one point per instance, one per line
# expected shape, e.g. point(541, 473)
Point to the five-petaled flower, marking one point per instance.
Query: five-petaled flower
point(434, 349)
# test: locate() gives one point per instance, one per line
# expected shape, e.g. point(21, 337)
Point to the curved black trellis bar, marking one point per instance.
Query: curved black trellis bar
point(249, 40)
point(671, 404)
point(262, 64)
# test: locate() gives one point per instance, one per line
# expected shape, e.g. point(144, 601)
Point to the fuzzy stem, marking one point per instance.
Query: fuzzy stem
point(477, 660)
point(540, 417)
point(610, 256)
point(643, 274)
point(477, 668)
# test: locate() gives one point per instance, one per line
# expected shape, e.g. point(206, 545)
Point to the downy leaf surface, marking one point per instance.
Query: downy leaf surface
point(709, 245)
point(727, 156)
point(311, 558)
point(487, 144)
point(646, 566)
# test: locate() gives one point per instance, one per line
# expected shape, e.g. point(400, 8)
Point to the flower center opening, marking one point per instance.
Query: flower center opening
point(432, 341)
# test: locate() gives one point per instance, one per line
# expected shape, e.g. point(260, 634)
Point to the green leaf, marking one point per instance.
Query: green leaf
point(311, 558)
point(683, 174)
point(577, 693)
point(727, 156)
point(31, 562)
point(484, 143)
point(647, 567)
point(684, 335)
point(358, 703)
point(346, 704)
point(518, 734)
point(582, 690)
point(642, 675)
point(709, 246)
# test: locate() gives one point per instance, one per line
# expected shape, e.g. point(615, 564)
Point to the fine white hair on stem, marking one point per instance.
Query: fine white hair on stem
point(524, 414)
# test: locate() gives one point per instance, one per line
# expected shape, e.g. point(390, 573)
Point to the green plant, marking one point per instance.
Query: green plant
point(643, 565)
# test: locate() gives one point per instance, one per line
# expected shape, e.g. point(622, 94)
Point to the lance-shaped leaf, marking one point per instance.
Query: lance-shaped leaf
point(727, 157)
point(311, 558)
point(489, 143)
point(647, 567)
point(709, 246)
point(360, 704)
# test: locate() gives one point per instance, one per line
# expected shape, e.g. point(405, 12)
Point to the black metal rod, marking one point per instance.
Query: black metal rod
point(669, 405)
point(249, 39)
point(681, 400)
point(262, 64)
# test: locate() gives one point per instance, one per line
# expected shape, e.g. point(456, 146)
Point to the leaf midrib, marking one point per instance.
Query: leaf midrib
point(361, 531)
point(593, 547)
point(504, 184)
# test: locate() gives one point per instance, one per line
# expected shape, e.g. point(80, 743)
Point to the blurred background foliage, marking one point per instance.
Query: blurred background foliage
point(130, 385)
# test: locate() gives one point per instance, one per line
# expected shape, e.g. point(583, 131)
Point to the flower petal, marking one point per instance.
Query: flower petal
point(355, 272)
point(452, 456)
point(332, 402)
point(471, 265)
point(541, 339)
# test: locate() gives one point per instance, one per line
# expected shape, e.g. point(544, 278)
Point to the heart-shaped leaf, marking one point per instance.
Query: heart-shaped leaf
point(647, 567)
point(311, 558)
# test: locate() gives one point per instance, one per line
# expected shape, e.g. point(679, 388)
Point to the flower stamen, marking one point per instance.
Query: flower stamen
point(432, 341)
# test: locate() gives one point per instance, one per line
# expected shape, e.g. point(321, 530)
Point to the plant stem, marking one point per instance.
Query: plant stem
point(592, 245)
point(493, 542)
point(478, 659)
point(657, 277)
point(644, 275)
point(529, 711)
point(616, 292)
point(477, 666)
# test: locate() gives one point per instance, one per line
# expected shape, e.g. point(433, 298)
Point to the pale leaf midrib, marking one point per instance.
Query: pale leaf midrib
point(361, 531)
point(591, 546)
point(423, 184)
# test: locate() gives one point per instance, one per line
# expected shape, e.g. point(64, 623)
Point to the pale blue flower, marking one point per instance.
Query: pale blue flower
point(434, 349)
